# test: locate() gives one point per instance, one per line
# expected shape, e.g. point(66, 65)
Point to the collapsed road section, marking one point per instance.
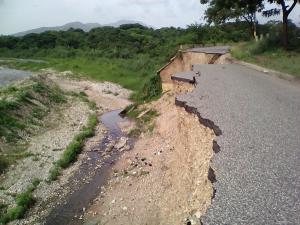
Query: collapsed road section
point(166, 178)
point(184, 61)
point(258, 166)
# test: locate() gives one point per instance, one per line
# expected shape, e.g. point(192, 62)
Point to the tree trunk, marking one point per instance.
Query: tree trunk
point(252, 25)
point(285, 37)
point(255, 27)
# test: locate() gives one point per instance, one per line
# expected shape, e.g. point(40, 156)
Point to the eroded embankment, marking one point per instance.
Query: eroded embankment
point(164, 178)
point(185, 61)
point(207, 123)
point(194, 60)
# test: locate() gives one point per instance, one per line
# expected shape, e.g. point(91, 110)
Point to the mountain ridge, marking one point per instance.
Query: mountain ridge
point(76, 25)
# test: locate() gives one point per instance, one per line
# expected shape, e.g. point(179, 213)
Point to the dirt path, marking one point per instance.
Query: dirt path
point(164, 179)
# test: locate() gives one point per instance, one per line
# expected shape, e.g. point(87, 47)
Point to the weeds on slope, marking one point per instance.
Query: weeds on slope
point(19, 108)
point(23, 202)
point(22, 108)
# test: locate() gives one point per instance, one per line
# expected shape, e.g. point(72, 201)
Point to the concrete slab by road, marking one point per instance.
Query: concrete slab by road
point(211, 50)
point(188, 77)
point(258, 167)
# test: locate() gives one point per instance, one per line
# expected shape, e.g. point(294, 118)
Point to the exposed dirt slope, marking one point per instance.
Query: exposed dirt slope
point(164, 179)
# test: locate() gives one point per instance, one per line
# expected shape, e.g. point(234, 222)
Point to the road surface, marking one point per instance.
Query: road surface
point(258, 167)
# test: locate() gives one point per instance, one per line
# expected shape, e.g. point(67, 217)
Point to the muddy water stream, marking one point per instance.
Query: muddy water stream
point(90, 177)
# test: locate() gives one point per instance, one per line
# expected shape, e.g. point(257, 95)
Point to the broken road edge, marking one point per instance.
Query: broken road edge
point(209, 124)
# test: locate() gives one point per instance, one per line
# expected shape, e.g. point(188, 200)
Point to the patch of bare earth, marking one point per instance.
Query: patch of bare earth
point(106, 95)
point(164, 179)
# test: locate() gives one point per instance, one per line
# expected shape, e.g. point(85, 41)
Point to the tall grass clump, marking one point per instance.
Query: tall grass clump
point(24, 201)
point(151, 90)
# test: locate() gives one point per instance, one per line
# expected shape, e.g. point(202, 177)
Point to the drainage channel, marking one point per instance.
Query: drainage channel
point(69, 213)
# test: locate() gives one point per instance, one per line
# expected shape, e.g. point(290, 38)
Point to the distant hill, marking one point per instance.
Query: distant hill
point(76, 25)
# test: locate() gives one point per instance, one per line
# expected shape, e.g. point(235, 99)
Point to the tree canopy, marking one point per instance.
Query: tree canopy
point(286, 10)
point(123, 42)
point(220, 11)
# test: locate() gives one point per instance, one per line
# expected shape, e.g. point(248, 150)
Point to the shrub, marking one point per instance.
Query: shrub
point(152, 89)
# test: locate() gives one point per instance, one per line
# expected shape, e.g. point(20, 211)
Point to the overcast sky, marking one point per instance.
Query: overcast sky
point(20, 15)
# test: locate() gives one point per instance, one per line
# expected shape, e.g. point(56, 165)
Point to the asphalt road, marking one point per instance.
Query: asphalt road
point(258, 167)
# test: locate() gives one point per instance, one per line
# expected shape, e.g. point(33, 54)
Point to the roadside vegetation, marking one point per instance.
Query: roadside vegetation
point(275, 45)
point(267, 54)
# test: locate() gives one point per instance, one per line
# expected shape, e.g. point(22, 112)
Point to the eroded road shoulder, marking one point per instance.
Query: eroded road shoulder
point(164, 179)
point(257, 169)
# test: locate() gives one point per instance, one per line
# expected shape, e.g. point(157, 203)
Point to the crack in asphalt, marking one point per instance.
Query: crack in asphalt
point(207, 123)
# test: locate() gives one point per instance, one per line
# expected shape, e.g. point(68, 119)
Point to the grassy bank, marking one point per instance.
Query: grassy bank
point(137, 74)
point(129, 73)
point(271, 57)
point(22, 109)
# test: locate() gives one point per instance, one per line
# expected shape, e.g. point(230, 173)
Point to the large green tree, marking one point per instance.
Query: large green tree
point(286, 10)
point(220, 11)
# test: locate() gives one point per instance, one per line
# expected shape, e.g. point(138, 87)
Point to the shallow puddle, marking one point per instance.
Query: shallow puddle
point(8, 76)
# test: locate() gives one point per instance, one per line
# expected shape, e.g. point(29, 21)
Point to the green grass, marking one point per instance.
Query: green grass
point(23, 202)
point(129, 73)
point(11, 100)
point(22, 109)
point(17, 110)
point(74, 148)
point(275, 59)
point(137, 74)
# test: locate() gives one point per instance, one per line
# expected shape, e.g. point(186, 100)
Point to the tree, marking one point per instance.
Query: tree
point(220, 11)
point(286, 10)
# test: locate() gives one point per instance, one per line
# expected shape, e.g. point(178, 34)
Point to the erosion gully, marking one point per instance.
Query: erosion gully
point(89, 179)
